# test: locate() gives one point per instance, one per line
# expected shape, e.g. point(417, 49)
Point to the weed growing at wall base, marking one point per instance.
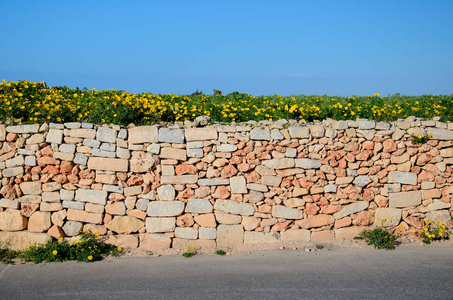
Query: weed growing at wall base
point(87, 249)
point(379, 237)
point(432, 232)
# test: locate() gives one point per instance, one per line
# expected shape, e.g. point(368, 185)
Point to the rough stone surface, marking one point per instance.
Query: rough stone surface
point(229, 235)
point(154, 225)
point(143, 134)
point(402, 177)
point(21, 240)
point(284, 212)
point(234, 207)
point(387, 217)
point(125, 224)
point(351, 209)
point(12, 220)
point(165, 208)
point(92, 196)
point(405, 199)
point(199, 206)
point(306, 163)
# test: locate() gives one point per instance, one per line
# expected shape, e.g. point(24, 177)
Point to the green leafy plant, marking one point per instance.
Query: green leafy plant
point(319, 246)
point(220, 252)
point(189, 252)
point(420, 139)
point(87, 249)
point(432, 232)
point(7, 255)
point(379, 237)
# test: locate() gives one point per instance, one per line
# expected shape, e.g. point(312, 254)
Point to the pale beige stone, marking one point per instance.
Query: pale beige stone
point(125, 224)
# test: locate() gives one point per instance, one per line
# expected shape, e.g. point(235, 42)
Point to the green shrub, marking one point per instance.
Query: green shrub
point(432, 232)
point(190, 251)
point(379, 237)
point(88, 248)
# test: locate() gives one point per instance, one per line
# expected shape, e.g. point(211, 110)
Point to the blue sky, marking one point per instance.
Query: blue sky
point(260, 47)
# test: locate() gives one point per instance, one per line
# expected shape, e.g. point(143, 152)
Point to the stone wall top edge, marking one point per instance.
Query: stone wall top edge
point(363, 124)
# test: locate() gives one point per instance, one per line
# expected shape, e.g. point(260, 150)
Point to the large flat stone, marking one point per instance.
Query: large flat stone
point(307, 163)
point(201, 134)
point(165, 208)
point(198, 206)
point(230, 235)
point(387, 217)
point(260, 134)
point(316, 221)
point(402, 177)
point(21, 240)
point(299, 132)
point(173, 153)
point(84, 216)
point(143, 134)
point(12, 220)
point(213, 181)
point(91, 196)
point(125, 224)
point(238, 185)
point(279, 163)
point(168, 135)
point(180, 179)
point(32, 128)
point(108, 164)
point(440, 134)
point(351, 209)
point(234, 207)
point(280, 211)
point(405, 199)
point(154, 242)
point(154, 225)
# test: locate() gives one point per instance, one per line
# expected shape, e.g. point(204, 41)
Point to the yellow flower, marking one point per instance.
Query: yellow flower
point(54, 252)
point(119, 249)
point(96, 234)
point(419, 136)
point(76, 242)
point(84, 230)
point(90, 257)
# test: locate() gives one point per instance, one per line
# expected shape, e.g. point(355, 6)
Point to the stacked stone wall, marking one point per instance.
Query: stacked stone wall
point(175, 185)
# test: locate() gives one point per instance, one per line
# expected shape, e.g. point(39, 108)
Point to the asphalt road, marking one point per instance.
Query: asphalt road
point(405, 273)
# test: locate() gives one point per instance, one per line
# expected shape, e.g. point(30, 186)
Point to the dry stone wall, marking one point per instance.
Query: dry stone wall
point(157, 187)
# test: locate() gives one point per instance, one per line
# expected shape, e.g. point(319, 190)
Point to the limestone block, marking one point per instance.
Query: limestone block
point(187, 233)
point(92, 196)
point(440, 134)
point(32, 128)
point(166, 192)
point(207, 233)
point(299, 132)
point(230, 235)
point(21, 240)
point(201, 134)
point(238, 185)
point(143, 134)
point(213, 181)
point(173, 153)
point(165, 208)
point(307, 163)
point(280, 211)
point(405, 199)
point(316, 221)
point(108, 164)
point(31, 187)
point(199, 206)
point(402, 177)
point(84, 216)
point(168, 135)
point(260, 134)
point(12, 220)
point(105, 134)
point(279, 163)
point(72, 228)
point(154, 242)
point(387, 217)
point(234, 207)
point(351, 209)
point(154, 225)
point(39, 221)
point(125, 224)
point(181, 179)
